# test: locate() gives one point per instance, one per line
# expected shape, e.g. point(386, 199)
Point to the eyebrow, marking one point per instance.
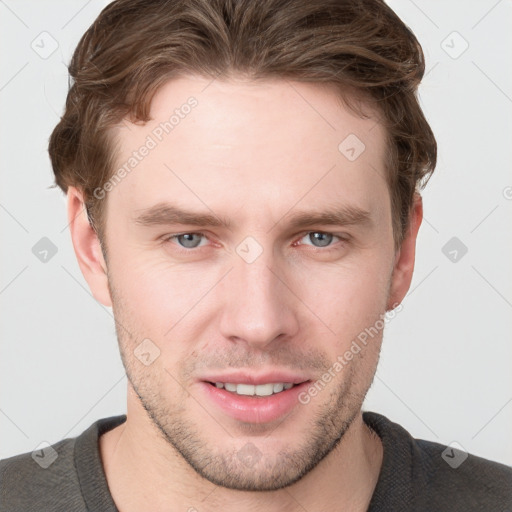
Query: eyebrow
point(163, 214)
point(167, 214)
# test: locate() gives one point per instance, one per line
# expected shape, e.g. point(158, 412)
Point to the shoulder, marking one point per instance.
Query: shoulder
point(64, 477)
point(41, 480)
point(462, 477)
point(427, 475)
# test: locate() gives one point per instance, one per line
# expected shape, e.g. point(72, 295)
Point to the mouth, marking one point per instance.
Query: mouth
point(258, 390)
point(251, 400)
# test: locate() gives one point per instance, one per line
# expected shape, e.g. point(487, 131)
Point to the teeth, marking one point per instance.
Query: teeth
point(278, 387)
point(245, 389)
point(264, 389)
point(251, 389)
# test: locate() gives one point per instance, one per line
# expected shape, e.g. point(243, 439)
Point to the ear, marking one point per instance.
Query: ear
point(404, 259)
point(87, 248)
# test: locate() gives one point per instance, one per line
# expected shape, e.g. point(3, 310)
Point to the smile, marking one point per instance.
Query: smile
point(263, 402)
point(254, 390)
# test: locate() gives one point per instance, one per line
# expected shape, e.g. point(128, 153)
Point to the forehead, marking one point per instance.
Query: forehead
point(240, 144)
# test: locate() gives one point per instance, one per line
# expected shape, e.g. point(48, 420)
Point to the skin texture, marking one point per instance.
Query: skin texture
point(253, 154)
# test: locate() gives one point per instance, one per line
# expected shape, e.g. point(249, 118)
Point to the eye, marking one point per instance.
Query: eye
point(187, 240)
point(320, 239)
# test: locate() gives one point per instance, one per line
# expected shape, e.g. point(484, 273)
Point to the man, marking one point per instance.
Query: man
point(243, 190)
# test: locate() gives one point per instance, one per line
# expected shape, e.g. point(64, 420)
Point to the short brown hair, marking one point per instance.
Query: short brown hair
point(135, 46)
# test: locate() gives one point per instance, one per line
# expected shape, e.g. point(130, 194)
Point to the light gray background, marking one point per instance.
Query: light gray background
point(445, 369)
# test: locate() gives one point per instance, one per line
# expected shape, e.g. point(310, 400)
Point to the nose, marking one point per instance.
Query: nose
point(259, 307)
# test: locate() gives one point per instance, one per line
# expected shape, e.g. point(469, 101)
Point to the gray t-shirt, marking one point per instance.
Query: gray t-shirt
point(416, 475)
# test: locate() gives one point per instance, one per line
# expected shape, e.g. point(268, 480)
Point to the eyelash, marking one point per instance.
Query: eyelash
point(169, 238)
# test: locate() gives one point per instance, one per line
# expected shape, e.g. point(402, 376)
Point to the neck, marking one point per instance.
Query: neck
point(145, 473)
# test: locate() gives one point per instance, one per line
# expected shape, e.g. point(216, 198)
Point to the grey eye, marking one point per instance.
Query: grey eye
point(320, 239)
point(187, 240)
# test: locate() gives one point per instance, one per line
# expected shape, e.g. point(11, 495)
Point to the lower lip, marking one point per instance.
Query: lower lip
point(254, 409)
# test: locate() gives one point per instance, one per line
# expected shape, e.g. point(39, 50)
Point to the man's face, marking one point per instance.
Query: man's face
point(266, 300)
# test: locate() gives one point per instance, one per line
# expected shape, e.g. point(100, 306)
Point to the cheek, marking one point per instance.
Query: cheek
point(164, 301)
point(146, 278)
point(349, 297)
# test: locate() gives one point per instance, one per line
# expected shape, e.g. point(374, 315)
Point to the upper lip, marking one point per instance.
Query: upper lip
point(245, 377)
